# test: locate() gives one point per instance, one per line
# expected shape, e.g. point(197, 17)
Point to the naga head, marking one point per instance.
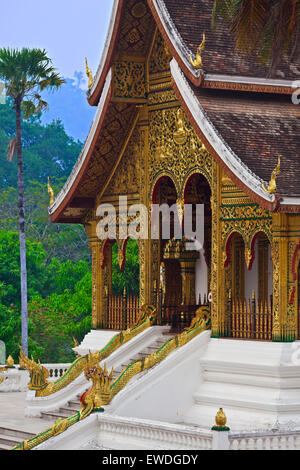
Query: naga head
point(38, 373)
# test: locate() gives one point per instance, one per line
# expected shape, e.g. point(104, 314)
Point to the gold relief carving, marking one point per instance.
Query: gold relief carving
point(214, 251)
point(292, 309)
point(160, 57)
point(143, 270)
point(168, 156)
point(180, 209)
point(135, 15)
point(139, 10)
point(236, 200)
point(94, 284)
point(244, 212)
point(248, 257)
point(245, 219)
point(276, 291)
point(126, 179)
point(180, 135)
point(129, 80)
point(133, 36)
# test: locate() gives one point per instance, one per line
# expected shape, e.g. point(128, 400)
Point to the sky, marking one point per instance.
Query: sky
point(69, 30)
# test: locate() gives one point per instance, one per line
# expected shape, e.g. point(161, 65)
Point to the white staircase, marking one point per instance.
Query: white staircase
point(12, 437)
point(66, 402)
point(256, 382)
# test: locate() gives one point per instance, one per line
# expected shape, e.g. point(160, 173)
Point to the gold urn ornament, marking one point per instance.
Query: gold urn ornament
point(220, 421)
point(10, 362)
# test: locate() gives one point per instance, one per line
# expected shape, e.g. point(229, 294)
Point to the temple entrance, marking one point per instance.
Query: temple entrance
point(184, 270)
point(197, 191)
point(250, 303)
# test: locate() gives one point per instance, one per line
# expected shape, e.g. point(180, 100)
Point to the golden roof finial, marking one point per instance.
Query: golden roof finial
point(271, 189)
point(89, 74)
point(197, 63)
point(50, 192)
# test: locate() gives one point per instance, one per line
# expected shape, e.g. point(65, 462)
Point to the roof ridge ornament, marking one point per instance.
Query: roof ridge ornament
point(51, 193)
point(272, 187)
point(197, 63)
point(89, 74)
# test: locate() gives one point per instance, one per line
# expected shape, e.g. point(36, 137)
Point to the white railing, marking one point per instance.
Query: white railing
point(16, 379)
point(279, 440)
point(56, 370)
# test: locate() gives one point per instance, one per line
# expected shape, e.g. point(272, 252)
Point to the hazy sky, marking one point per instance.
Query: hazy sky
point(68, 29)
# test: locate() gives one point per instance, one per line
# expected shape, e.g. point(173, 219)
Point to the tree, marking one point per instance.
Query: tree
point(25, 73)
point(47, 149)
point(267, 28)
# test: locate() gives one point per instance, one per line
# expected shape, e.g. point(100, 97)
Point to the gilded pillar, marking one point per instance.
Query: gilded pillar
point(98, 291)
point(280, 279)
point(217, 284)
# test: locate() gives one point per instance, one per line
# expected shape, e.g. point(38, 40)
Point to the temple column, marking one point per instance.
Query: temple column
point(99, 311)
point(280, 278)
point(217, 283)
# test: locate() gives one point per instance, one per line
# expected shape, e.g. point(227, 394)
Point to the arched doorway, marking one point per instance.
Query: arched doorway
point(165, 194)
point(197, 191)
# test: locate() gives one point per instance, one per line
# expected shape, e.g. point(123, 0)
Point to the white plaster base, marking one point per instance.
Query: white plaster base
point(94, 341)
point(15, 380)
point(256, 383)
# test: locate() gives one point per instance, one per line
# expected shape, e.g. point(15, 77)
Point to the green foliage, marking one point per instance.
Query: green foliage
point(129, 277)
point(59, 291)
point(47, 150)
point(60, 296)
point(64, 241)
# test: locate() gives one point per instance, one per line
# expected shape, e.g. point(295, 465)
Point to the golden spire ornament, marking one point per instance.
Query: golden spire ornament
point(50, 192)
point(89, 74)
point(272, 187)
point(10, 362)
point(197, 63)
point(220, 421)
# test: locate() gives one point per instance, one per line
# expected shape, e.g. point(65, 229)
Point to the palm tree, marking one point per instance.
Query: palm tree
point(268, 28)
point(25, 73)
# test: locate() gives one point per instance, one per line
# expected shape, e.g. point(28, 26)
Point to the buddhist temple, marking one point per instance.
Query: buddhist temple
point(183, 119)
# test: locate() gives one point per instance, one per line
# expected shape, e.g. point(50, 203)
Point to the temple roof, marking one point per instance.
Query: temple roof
point(193, 17)
point(242, 112)
point(182, 24)
point(254, 127)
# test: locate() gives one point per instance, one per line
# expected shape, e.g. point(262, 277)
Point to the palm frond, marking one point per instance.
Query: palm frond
point(25, 72)
point(269, 29)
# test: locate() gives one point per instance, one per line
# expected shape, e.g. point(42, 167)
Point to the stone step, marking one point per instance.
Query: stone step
point(54, 415)
point(70, 411)
point(9, 441)
point(15, 432)
point(5, 447)
point(74, 404)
